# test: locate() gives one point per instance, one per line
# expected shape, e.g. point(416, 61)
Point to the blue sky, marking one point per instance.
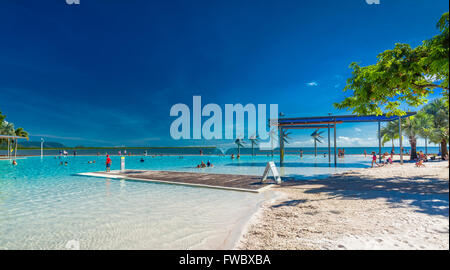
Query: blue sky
point(108, 72)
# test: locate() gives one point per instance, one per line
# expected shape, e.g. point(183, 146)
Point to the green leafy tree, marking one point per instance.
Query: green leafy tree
point(410, 129)
point(438, 108)
point(403, 74)
point(390, 133)
point(7, 128)
point(2, 117)
point(424, 123)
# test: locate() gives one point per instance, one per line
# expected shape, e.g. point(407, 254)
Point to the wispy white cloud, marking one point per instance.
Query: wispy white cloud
point(312, 84)
point(345, 141)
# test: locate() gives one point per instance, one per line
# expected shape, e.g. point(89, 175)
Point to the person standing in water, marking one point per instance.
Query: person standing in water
point(108, 163)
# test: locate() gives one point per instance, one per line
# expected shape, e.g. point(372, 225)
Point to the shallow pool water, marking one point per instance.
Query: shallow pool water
point(43, 205)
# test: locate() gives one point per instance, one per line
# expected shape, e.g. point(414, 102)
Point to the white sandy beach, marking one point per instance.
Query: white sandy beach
point(392, 207)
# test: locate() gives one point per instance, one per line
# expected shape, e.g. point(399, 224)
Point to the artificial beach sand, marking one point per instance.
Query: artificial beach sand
point(392, 207)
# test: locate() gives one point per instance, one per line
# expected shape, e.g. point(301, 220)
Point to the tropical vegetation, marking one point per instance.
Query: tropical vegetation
point(431, 123)
point(240, 143)
point(402, 75)
point(389, 133)
point(7, 128)
point(254, 140)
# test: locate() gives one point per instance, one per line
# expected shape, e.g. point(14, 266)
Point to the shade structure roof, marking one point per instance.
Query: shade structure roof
point(339, 119)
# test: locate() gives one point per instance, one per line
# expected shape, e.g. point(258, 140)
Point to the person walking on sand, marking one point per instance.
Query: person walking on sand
point(108, 163)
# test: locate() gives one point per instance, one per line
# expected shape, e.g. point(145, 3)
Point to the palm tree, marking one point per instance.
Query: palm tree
point(424, 125)
point(240, 143)
point(439, 131)
point(410, 129)
point(254, 140)
point(390, 133)
point(21, 133)
point(316, 136)
point(273, 138)
point(7, 128)
point(284, 138)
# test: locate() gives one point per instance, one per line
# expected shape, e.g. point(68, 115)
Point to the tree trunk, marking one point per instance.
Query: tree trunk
point(271, 145)
point(315, 148)
point(444, 148)
point(413, 143)
point(426, 147)
point(393, 148)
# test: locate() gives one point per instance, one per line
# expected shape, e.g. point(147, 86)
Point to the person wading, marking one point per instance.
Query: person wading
point(108, 163)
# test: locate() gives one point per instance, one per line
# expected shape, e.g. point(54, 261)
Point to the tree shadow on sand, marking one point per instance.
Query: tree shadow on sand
point(429, 194)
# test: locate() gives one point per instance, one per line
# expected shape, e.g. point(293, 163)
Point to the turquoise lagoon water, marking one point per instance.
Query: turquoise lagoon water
point(43, 204)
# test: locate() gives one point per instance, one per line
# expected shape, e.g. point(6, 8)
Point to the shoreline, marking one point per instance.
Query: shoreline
point(347, 215)
point(255, 217)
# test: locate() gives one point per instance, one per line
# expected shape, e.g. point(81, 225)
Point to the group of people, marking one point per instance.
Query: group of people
point(385, 158)
point(237, 156)
point(203, 165)
point(341, 152)
point(421, 158)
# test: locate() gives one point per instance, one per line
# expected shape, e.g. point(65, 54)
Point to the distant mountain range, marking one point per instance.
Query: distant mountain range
point(37, 144)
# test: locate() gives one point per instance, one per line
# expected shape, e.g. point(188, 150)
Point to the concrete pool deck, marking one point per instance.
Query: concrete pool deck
point(246, 183)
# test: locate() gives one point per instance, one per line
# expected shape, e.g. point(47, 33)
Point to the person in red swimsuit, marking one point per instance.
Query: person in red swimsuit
point(108, 163)
point(374, 159)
